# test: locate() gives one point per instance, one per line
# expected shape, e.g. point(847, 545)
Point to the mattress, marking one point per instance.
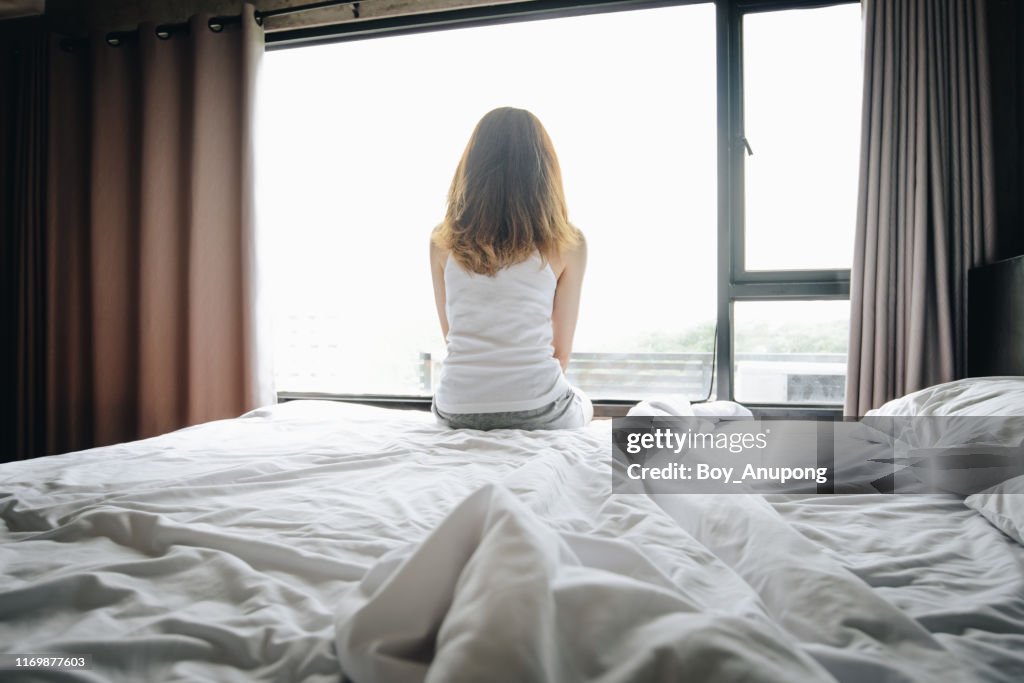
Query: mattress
point(318, 541)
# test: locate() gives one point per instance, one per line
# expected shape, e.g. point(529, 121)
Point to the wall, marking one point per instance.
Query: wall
point(1006, 57)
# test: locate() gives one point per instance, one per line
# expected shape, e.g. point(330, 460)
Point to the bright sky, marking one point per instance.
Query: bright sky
point(358, 142)
point(802, 94)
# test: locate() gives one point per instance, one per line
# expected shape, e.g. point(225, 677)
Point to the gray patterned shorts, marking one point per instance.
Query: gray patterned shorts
point(572, 409)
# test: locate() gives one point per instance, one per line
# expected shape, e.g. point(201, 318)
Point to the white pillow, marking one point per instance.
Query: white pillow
point(1003, 506)
point(1002, 396)
point(940, 429)
point(986, 410)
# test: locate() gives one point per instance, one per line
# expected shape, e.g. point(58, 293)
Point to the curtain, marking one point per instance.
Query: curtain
point(926, 211)
point(23, 105)
point(147, 297)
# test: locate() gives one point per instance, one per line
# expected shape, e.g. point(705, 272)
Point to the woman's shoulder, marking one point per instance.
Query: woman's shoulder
point(577, 250)
point(569, 255)
point(438, 251)
point(581, 243)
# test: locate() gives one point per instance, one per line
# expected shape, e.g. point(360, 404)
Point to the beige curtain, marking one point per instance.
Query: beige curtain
point(926, 210)
point(149, 322)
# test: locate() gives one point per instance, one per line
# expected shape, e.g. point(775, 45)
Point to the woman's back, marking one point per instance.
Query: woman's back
point(500, 353)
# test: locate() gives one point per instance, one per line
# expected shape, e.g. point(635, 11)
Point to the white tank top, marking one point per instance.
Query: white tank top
point(500, 353)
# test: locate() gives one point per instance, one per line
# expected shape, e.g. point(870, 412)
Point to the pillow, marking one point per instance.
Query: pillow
point(995, 396)
point(961, 437)
point(1003, 506)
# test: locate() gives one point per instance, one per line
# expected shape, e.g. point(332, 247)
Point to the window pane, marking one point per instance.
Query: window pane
point(791, 351)
point(358, 143)
point(802, 104)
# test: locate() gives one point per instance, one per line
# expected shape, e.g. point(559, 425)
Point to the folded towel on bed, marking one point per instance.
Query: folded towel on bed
point(662, 406)
point(722, 410)
point(679, 406)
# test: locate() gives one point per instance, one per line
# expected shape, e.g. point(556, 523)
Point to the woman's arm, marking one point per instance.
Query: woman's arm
point(438, 256)
point(566, 307)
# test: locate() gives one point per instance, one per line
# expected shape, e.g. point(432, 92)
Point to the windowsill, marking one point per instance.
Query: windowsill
point(603, 409)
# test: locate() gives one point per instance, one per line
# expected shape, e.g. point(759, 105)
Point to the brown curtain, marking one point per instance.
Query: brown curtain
point(926, 210)
point(23, 105)
point(148, 294)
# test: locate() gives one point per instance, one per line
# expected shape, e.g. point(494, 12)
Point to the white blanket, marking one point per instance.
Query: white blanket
point(307, 539)
point(496, 594)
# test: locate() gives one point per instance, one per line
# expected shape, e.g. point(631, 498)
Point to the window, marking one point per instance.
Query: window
point(790, 351)
point(359, 141)
point(793, 183)
point(359, 136)
point(801, 118)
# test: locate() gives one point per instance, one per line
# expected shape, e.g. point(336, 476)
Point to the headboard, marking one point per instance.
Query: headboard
point(995, 319)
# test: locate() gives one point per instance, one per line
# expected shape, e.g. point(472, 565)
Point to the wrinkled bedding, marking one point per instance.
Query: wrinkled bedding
point(307, 541)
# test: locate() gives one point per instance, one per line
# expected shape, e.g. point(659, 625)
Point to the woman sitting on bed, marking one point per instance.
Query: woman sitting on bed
point(507, 268)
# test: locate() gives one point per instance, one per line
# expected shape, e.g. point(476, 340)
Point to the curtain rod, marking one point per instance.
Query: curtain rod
point(216, 24)
point(282, 11)
point(163, 32)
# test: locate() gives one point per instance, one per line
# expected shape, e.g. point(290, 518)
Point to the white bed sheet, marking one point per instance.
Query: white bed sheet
point(933, 558)
point(232, 550)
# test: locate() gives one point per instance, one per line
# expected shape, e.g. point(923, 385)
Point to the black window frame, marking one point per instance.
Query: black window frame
point(735, 282)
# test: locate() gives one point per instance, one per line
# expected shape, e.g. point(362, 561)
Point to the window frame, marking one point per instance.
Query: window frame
point(735, 282)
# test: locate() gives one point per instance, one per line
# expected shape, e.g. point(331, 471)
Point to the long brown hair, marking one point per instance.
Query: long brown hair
point(506, 199)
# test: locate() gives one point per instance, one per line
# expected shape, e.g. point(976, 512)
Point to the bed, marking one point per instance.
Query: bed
point(308, 539)
point(322, 541)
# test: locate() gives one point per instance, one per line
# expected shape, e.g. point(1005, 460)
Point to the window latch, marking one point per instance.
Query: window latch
point(746, 143)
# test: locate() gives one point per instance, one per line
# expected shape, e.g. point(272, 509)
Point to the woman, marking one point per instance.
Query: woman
point(507, 268)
